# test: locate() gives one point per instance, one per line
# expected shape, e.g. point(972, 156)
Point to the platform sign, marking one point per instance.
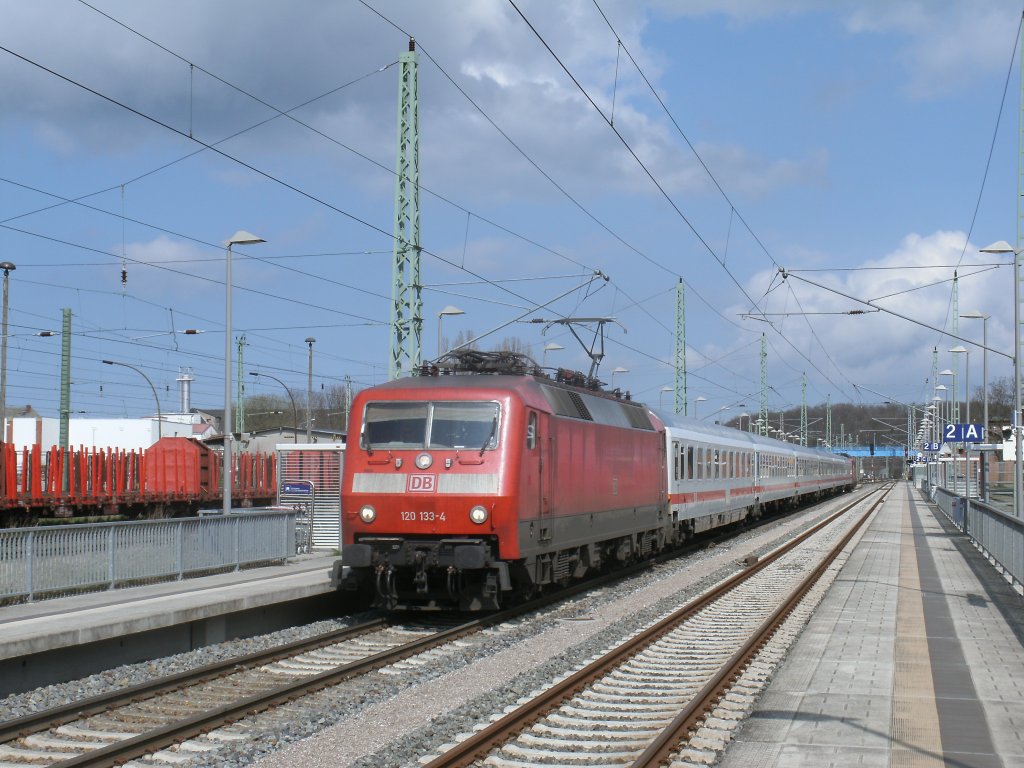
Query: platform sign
point(296, 488)
point(932, 447)
point(963, 433)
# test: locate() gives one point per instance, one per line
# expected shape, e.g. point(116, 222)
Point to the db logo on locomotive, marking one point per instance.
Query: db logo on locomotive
point(422, 483)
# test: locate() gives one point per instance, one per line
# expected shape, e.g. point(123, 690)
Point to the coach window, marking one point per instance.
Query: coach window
point(717, 472)
point(675, 459)
point(689, 462)
point(700, 462)
point(531, 431)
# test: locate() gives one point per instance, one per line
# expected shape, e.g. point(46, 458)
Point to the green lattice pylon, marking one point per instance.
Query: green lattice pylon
point(406, 300)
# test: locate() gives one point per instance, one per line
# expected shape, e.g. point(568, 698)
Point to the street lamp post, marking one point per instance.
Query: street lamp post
point(700, 399)
point(976, 315)
point(309, 392)
point(1004, 247)
point(552, 346)
point(938, 401)
point(159, 416)
point(950, 412)
point(241, 237)
point(449, 310)
point(295, 412)
point(943, 408)
point(961, 350)
point(7, 267)
point(661, 393)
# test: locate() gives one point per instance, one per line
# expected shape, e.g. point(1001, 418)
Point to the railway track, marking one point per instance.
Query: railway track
point(640, 703)
point(133, 722)
point(193, 712)
point(210, 701)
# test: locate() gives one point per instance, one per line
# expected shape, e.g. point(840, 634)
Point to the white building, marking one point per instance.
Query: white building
point(126, 434)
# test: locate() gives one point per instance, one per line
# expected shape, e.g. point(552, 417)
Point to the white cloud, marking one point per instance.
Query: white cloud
point(949, 44)
point(285, 59)
point(879, 349)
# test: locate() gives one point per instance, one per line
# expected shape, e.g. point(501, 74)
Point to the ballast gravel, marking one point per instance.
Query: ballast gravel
point(398, 718)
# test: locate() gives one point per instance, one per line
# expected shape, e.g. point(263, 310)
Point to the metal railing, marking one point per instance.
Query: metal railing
point(58, 560)
point(1000, 536)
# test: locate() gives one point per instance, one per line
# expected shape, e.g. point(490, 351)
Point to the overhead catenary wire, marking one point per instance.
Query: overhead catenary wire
point(701, 239)
point(315, 130)
point(260, 172)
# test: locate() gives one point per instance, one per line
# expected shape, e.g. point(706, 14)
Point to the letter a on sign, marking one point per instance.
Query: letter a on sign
point(972, 433)
point(422, 483)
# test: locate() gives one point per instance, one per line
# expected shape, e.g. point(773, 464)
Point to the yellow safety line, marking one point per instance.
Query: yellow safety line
point(914, 733)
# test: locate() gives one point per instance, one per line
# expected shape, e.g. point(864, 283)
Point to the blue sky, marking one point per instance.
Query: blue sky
point(841, 136)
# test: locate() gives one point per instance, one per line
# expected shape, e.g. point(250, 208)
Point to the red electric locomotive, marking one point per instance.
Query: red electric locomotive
point(488, 480)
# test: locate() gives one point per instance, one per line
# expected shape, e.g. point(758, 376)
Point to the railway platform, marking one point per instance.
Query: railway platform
point(54, 640)
point(914, 658)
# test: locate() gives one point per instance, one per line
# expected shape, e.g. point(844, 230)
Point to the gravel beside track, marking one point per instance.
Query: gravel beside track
point(382, 726)
point(401, 729)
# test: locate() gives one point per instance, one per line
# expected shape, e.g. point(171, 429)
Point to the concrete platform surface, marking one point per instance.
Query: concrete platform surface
point(49, 625)
point(914, 658)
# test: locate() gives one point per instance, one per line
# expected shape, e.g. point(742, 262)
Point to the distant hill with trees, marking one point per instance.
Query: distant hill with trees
point(885, 421)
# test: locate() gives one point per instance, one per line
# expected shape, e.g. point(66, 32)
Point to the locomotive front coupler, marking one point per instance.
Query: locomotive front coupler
point(420, 578)
point(386, 585)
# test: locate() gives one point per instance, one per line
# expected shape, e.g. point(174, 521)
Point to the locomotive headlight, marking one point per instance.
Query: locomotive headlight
point(478, 515)
point(367, 514)
point(424, 460)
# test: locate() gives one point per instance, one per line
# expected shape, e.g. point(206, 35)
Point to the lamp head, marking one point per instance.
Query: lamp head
point(1000, 246)
point(241, 237)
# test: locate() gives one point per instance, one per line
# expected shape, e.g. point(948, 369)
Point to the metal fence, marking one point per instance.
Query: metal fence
point(1000, 536)
point(60, 560)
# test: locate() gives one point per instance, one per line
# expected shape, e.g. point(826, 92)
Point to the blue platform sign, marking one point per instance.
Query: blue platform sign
point(297, 488)
point(963, 433)
point(932, 447)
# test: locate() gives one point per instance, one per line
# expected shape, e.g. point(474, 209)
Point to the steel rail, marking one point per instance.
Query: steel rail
point(144, 743)
point(175, 732)
point(484, 741)
point(669, 740)
point(76, 710)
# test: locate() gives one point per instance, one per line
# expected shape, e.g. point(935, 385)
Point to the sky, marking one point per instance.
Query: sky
point(786, 159)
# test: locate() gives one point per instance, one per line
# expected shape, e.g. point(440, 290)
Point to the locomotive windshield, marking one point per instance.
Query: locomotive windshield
point(412, 425)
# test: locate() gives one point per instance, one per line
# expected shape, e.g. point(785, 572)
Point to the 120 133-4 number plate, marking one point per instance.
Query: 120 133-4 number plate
point(423, 517)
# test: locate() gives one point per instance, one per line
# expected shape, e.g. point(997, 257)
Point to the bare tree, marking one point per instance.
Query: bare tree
point(513, 344)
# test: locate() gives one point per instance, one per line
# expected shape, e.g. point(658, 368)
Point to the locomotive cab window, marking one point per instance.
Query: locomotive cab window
point(414, 425)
